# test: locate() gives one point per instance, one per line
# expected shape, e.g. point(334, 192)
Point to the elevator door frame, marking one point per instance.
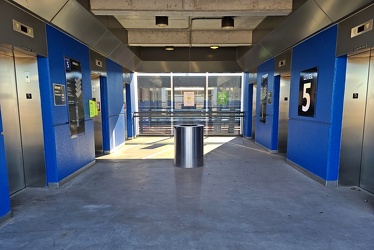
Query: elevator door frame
point(254, 111)
point(284, 98)
point(98, 123)
point(23, 125)
point(360, 66)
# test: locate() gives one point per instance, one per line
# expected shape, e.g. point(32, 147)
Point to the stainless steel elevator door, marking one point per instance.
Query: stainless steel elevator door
point(11, 122)
point(98, 130)
point(30, 119)
point(22, 120)
point(353, 118)
point(367, 163)
point(284, 94)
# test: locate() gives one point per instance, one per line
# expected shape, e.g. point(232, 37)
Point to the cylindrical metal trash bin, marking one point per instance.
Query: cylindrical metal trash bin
point(189, 146)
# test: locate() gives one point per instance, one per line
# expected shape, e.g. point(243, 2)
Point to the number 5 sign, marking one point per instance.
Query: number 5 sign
point(307, 92)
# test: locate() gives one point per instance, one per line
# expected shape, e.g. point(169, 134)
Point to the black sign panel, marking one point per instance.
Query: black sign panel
point(307, 92)
point(263, 97)
point(59, 94)
point(75, 96)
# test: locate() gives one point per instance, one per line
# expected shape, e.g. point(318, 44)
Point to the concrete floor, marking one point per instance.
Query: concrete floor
point(243, 198)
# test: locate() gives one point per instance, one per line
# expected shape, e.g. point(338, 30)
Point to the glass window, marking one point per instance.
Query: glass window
point(189, 92)
point(224, 93)
point(154, 93)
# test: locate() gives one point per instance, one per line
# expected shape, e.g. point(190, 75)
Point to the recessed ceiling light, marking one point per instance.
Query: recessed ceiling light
point(169, 48)
point(214, 47)
point(227, 22)
point(162, 21)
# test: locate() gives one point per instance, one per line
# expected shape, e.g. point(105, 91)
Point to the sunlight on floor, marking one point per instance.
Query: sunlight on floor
point(150, 147)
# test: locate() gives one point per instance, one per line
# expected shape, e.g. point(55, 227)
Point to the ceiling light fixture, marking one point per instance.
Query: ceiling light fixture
point(162, 21)
point(227, 22)
point(214, 47)
point(169, 48)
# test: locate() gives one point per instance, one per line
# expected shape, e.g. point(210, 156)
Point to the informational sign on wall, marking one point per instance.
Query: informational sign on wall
point(59, 94)
point(93, 108)
point(263, 97)
point(189, 99)
point(222, 98)
point(307, 92)
point(75, 96)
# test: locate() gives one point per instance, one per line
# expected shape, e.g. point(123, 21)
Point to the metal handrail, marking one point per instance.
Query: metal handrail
point(187, 114)
point(162, 122)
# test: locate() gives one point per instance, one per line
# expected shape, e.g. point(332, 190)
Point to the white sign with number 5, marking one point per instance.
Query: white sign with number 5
point(306, 96)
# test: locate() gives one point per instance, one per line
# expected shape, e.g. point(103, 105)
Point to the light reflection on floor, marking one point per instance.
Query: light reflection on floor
point(150, 147)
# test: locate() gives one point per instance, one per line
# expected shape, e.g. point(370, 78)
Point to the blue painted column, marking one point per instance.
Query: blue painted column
point(129, 114)
point(247, 106)
point(112, 112)
point(104, 114)
point(266, 132)
point(4, 186)
point(64, 154)
point(314, 142)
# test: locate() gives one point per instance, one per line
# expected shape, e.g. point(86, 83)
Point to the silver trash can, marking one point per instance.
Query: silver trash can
point(189, 146)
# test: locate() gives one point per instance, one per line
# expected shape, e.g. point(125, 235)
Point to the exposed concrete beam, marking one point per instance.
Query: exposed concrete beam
point(147, 22)
point(158, 37)
point(192, 7)
point(222, 38)
point(182, 38)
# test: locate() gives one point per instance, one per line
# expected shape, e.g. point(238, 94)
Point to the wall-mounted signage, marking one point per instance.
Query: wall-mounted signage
point(59, 94)
point(263, 97)
point(222, 98)
point(307, 92)
point(93, 108)
point(75, 96)
point(189, 99)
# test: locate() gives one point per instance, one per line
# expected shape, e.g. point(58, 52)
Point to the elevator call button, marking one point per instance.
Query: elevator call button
point(355, 95)
point(28, 96)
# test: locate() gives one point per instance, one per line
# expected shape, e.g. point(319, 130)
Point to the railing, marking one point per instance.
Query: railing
point(215, 122)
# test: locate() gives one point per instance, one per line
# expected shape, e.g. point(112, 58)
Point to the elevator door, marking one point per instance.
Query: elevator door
point(98, 127)
point(254, 111)
point(22, 123)
point(284, 93)
point(367, 163)
point(357, 144)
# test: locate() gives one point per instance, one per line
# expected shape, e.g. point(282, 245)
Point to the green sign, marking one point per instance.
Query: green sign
point(222, 98)
point(93, 108)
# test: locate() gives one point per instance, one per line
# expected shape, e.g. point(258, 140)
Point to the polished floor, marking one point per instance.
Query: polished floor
point(243, 198)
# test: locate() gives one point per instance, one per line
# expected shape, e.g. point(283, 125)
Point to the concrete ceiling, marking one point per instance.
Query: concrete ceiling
point(192, 23)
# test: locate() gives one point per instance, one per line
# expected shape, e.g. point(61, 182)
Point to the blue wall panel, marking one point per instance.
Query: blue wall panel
point(73, 154)
point(265, 131)
point(46, 98)
point(117, 129)
point(336, 118)
point(275, 103)
point(113, 107)
point(314, 142)
point(247, 106)
point(129, 113)
point(310, 153)
point(4, 187)
point(64, 155)
point(104, 113)
point(115, 88)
